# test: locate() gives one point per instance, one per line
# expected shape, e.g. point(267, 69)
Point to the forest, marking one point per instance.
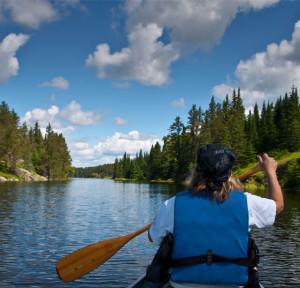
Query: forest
point(272, 128)
point(26, 148)
point(101, 171)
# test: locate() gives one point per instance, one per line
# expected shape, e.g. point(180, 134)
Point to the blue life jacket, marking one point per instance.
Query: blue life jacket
point(201, 224)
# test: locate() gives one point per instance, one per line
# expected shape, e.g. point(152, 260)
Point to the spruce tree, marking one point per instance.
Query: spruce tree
point(177, 161)
point(195, 122)
point(293, 122)
point(205, 135)
point(238, 136)
point(155, 161)
point(279, 124)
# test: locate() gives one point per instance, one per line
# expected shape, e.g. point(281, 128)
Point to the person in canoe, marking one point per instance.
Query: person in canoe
point(210, 223)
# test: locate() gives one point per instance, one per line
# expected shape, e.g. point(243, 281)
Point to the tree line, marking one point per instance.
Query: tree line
point(275, 129)
point(27, 148)
point(101, 171)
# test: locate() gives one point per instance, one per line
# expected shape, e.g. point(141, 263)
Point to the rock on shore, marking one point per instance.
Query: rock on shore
point(25, 175)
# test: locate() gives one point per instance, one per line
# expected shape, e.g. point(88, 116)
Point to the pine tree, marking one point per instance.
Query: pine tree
point(25, 147)
point(126, 165)
point(178, 163)
point(56, 159)
point(9, 138)
point(205, 135)
point(38, 153)
point(195, 121)
point(37, 134)
point(271, 128)
point(293, 122)
point(135, 171)
point(155, 162)
point(238, 136)
point(118, 169)
point(279, 124)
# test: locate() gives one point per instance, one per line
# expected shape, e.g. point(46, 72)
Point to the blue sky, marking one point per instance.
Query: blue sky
point(113, 75)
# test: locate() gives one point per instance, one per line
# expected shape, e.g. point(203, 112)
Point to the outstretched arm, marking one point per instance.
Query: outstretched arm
point(269, 165)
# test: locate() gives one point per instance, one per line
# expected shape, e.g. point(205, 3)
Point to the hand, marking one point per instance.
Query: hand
point(268, 164)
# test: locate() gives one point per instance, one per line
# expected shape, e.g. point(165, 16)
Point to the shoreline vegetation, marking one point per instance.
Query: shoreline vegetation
point(26, 154)
point(256, 181)
point(272, 129)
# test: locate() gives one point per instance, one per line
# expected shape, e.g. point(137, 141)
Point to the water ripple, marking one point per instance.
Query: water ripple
point(42, 222)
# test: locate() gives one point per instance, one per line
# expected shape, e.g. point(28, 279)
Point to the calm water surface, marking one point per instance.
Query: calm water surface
point(42, 222)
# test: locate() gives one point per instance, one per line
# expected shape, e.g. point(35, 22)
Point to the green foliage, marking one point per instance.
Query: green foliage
point(20, 147)
point(102, 171)
point(9, 176)
point(276, 130)
point(293, 174)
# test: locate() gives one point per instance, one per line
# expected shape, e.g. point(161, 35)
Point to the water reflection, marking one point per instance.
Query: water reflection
point(279, 246)
point(42, 222)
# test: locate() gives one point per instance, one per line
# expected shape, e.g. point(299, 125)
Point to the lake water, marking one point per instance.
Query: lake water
point(42, 222)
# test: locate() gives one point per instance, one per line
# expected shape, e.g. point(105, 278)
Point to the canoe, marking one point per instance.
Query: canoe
point(140, 283)
point(143, 283)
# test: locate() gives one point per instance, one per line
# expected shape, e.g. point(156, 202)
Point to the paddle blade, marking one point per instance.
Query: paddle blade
point(83, 261)
point(86, 259)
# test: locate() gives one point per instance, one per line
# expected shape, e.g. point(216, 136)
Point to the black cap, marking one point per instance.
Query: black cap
point(215, 162)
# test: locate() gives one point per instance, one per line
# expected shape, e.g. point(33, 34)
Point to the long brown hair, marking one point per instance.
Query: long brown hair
point(199, 187)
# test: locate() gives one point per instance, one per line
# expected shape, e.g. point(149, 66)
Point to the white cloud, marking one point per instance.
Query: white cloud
point(30, 13)
point(45, 116)
point(8, 62)
point(192, 23)
point(122, 85)
point(57, 82)
point(178, 103)
point(222, 90)
point(72, 113)
point(187, 24)
point(81, 145)
point(119, 121)
point(146, 60)
point(258, 4)
point(131, 143)
point(33, 13)
point(111, 148)
point(268, 74)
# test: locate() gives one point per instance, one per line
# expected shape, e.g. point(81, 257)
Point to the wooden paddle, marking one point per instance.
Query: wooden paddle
point(256, 169)
point(83, 261)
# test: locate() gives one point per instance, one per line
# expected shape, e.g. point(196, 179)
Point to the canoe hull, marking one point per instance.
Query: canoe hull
point(140, 283)
point(143, 283)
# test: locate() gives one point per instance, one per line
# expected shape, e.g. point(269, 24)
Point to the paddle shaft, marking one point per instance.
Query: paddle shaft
point(256, 169)
point(84, 260)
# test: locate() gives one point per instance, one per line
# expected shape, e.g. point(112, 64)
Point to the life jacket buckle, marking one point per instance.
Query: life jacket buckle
point(209, 257)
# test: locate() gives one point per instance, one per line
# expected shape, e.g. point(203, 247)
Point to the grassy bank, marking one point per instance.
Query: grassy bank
point(288, 172)
point(10, 177)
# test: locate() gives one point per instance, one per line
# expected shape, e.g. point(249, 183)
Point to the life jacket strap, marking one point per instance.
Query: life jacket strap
point(210, 258)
